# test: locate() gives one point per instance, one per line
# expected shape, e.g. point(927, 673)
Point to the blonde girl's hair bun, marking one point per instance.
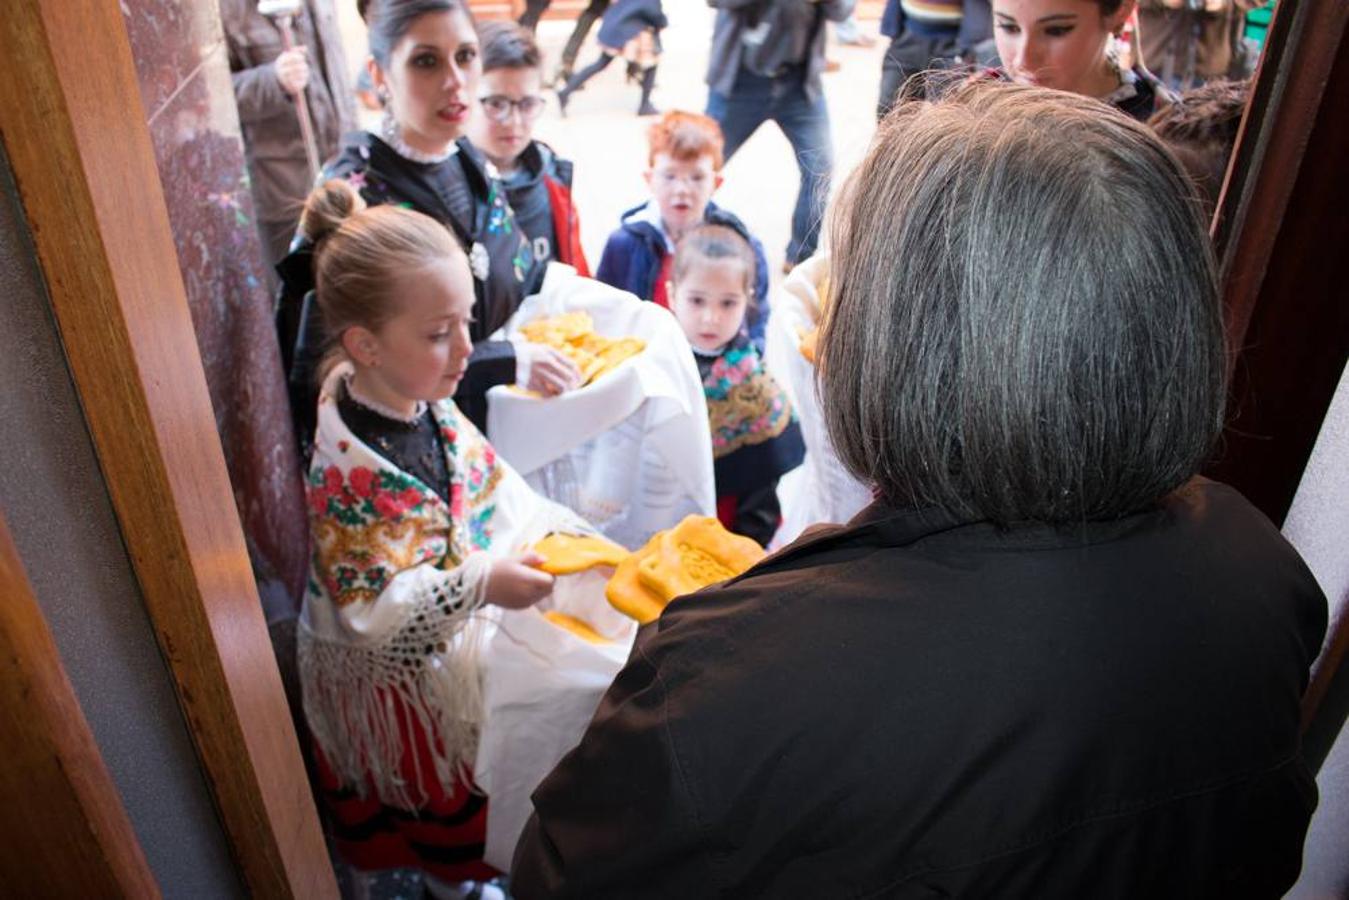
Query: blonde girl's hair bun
point(329, 205)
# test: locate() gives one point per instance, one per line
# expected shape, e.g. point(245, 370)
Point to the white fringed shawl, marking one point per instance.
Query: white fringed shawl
point(394, 616)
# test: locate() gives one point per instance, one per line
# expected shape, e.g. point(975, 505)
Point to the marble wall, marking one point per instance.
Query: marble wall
point(188, 99)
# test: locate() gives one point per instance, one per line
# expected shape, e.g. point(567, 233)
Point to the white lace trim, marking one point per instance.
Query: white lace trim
point(430, 666)
point(375, 406)
point(392, 134)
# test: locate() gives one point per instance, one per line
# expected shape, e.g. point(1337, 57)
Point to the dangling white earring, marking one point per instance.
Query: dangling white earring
point(388, 127)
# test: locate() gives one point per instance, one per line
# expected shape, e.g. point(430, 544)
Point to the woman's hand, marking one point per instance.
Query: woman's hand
point(514, 583)
point(292, 70)
point(549, 371)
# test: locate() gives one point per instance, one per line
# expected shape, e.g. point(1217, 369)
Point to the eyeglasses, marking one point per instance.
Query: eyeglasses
point(499, 107)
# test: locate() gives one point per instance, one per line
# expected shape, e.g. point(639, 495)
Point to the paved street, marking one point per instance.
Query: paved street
point(608, 144)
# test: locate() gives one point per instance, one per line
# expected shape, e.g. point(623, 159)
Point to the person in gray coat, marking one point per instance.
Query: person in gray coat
point(267, 77)
point(766, 61)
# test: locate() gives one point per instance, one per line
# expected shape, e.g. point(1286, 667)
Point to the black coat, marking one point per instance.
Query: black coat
point(915, 707)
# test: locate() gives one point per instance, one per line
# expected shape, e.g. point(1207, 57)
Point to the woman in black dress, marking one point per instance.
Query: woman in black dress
point(425, 66)
point(1047, 661)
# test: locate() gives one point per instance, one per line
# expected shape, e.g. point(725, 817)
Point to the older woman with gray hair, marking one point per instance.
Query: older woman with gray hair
point(1049, 661)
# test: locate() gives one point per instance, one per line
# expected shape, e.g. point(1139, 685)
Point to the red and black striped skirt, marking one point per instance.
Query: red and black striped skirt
point(445, 836)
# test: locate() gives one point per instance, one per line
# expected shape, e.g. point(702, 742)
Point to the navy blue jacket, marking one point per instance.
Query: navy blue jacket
point(632, 256)
point(628, 18)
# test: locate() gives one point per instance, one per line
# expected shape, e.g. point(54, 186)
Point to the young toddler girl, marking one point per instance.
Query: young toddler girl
point(414, 526)
point(755, 435)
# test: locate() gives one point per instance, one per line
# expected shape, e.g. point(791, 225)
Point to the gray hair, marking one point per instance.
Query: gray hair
point(1035, 333)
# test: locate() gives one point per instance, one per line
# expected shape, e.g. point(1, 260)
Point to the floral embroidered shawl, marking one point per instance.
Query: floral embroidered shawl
point(393, 607)
point(745, 406)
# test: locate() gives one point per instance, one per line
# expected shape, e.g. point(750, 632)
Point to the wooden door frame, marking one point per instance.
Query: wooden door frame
point(1289, 339)
point(76, 135)
point(76, 840)
point(74, 129)
point(1286, 101)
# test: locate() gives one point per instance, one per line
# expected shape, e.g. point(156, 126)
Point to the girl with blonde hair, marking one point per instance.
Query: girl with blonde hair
point(414, 529)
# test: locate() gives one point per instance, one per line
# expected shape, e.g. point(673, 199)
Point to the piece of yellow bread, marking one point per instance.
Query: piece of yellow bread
point(576, 626)
point(809, 344)
point(574, 335)
point(680, 560)
point(567, 554)
point(810, 340)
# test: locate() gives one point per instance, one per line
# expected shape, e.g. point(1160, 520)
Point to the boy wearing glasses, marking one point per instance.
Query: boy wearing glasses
point(684, 168)
point(537, 181)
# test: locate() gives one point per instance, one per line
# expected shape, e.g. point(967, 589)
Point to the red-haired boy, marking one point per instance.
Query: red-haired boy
point(684, 169)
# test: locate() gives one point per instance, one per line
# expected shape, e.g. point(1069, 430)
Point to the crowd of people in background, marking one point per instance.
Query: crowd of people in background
point(401, 258)
point(766, 62)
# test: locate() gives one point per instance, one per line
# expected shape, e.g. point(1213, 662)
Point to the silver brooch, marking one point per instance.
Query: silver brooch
point(479, 261)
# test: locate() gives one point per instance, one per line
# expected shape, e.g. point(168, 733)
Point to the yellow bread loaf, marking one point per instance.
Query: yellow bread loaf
point(680, 560)
point(560, 329)
point(626, 594)
point(574, 335)
point(567, 554)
